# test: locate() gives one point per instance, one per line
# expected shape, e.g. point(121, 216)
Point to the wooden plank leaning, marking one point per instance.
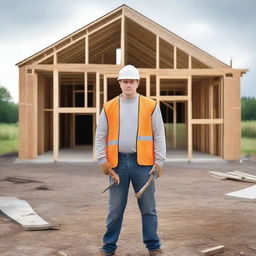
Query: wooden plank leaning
point(21, 212)
point(234, 176)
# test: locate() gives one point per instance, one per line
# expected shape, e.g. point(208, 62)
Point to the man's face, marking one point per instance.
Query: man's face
point(129, 87)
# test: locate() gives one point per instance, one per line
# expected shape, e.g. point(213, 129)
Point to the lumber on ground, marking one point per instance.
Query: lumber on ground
point(213, 250)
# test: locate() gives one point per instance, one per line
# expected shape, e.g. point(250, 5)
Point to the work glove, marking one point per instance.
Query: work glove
point(158, 169)
point(107, 169)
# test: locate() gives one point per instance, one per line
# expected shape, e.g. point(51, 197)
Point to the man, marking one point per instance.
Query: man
point(130, 140)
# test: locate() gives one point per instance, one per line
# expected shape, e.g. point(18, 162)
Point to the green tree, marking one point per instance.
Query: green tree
point(5, 96)
point(248, 105)
point(8, 109)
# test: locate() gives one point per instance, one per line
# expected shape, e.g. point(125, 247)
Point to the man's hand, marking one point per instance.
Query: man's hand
point(158, 170)
point(106, 167)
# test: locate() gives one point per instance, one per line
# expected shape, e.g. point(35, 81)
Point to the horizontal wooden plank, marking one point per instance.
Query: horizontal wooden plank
point(76, 110)
point(113, 68)
point(207, 121)
point(173, 98)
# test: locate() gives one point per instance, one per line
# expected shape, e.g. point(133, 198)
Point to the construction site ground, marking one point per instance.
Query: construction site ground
point(193, 211)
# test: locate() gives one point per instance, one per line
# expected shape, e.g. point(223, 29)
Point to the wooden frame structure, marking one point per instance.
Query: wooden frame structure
point(76, 75)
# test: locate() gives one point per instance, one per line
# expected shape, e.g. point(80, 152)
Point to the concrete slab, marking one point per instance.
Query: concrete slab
point(85, 155)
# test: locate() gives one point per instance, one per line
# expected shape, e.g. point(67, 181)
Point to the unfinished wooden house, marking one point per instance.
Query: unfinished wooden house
point(63, 88)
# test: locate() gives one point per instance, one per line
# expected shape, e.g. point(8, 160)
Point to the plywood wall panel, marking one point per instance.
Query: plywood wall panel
point(232, 115)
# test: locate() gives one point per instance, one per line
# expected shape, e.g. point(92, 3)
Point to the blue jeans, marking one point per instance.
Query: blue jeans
point(128, 170)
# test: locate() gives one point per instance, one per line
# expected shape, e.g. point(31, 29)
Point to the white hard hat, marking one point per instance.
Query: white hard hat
point(129, 72)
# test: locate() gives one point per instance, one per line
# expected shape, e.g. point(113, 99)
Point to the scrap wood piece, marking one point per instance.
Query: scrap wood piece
point(60, 253)
point(20, 180)
point(21, 212)
point(242, 175)
point(213, 250)
point(246, 174)
point(248, 193)
point(233, 176)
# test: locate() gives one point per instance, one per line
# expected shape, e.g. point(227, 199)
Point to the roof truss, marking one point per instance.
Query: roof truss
point(142, 39)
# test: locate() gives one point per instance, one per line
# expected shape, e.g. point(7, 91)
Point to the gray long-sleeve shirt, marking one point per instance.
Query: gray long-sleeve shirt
point(128, 131)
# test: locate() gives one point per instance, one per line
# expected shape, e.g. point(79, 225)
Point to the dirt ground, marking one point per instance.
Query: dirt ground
point(193, 212)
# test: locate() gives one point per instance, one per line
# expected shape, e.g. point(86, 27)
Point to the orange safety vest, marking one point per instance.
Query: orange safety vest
point(144, 141)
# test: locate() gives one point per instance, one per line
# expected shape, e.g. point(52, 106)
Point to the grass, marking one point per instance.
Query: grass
point(248, 129)
point(248, 146)
point(8, 138)
point(248, 139)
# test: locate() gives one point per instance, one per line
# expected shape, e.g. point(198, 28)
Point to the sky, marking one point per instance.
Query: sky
point(223, 28)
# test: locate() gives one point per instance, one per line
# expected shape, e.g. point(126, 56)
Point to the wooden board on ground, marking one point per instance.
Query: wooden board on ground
point(236, 175)
point(248, 193)
point(21, 212)
point(213, 251)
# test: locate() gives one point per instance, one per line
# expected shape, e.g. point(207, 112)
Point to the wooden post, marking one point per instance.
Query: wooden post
point(174, 125)
point(221, 115)
point(232, 117)
point(157, 52)
point(105, 89)
point(148, 85)
point(55, 115)
point(211, 138)
point(175, 57)
point(41, 114)
point(93, 136)
point(97, 96)
point(189, 110)
point(85, 90)
point(157, 88)
point(55, 60)
point(87, 49)
point(72, 133)
point(35, 115)
point(189, 61)
point(123, 40)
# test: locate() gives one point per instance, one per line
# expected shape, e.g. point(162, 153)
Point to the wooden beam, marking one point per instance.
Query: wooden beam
point(55, 115)
point(174, 124)
point(173, 39)
point(41, 114)
point(207, 121)
point(189, 111)
point(189, 62)
point(213, 251)
point(211, 137)
point(105, 89)
point(232, 117)
point(173, 98)
point(106, 68)
point(148, 85)
point(157, 53)
point(175, 57)
point(55, 60)
point(123, 40)
point(76, 110)
point(87, 49)
point(85, 90)
point(221, 114)
point(157, 89)
point(35, 115)
point(167, 105)
point(97, 96)
point(93, 136)
point(70, 38)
